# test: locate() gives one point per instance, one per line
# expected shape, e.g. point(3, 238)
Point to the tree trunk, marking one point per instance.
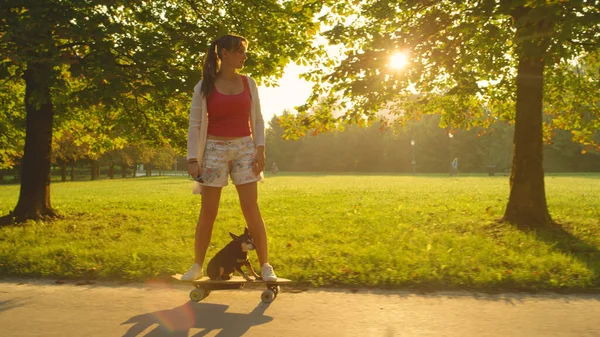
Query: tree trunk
point(134, 170)
point(527, 201)
point(73, 171)
point(63, 170)
point(111, 170)
point(34, 197)
point(94, 169)
point(17, 177)
point(123, 169)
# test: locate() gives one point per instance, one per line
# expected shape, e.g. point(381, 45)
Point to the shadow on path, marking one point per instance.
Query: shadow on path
point(207, 316)
point(10, 304)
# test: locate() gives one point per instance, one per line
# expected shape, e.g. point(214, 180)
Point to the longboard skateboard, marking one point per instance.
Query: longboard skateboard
point(205, 285)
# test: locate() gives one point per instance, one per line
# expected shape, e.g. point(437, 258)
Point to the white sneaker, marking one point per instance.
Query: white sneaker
point(194, 273)
point(267, 273)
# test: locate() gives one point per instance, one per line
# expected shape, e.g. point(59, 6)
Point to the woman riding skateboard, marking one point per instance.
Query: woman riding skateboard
point(226, 139)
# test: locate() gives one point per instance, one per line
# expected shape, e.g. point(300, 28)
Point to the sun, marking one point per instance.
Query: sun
point(399, 60)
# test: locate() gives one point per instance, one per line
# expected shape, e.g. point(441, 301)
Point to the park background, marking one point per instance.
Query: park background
point(95, 93)
point(374, 148)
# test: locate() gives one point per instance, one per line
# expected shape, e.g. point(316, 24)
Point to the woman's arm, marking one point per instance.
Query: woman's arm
point(259, 124)
point(193, 140)
point(258, 132)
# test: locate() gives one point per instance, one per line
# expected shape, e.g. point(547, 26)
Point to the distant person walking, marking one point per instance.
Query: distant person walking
point(454, 167)
point(274, 168)
point(226, 138)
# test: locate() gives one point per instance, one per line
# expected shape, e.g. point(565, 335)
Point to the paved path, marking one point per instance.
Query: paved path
point(41, 308)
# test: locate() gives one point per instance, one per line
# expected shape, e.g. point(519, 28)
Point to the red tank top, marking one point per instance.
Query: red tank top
point(229, 115)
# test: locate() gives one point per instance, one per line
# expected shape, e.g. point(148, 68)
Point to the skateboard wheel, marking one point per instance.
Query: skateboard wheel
point(268, 296)
point(198, 294)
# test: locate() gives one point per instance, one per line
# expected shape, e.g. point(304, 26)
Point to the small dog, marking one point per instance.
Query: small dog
point(232, 257)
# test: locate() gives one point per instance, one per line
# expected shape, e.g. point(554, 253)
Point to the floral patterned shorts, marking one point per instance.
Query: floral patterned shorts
point(223, 158)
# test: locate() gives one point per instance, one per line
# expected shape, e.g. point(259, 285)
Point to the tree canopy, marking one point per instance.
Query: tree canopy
point(130, 65)
point(472, 62)
point(463, 59)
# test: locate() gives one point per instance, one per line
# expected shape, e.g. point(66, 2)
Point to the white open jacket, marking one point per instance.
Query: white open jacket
point(198, 127)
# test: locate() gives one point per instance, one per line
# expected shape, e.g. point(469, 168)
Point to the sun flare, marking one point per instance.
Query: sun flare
point(399, 60)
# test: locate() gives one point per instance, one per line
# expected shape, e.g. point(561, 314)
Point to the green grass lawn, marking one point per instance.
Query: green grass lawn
point(388, 231)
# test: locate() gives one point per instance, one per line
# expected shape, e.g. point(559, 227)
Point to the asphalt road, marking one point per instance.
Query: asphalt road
point(43, 308)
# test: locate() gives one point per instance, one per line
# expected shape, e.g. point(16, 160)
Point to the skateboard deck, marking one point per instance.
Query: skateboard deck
point(205, 285)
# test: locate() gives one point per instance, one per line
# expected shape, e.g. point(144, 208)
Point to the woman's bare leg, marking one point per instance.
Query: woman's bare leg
point(248, 196)
point(206, 220)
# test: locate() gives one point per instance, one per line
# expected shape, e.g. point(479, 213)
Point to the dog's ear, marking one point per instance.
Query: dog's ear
point(233, 236)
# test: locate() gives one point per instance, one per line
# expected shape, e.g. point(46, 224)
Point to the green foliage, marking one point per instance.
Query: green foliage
point(463, 62)
point(141, 153)
point(164, 158)
point(12, 125)
point(376, 231)
point(125, 70)
point(383, 147)
point(572, 95)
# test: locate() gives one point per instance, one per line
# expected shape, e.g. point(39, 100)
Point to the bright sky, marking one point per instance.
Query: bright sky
point(291, 92)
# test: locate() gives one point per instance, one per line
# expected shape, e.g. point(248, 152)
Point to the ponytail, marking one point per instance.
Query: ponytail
point(212, 60)
point(209, 71)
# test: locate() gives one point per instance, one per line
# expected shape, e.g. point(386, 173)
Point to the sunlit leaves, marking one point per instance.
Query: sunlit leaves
point(128, 67)
point(12, 123)
point(463, 53)
point(573, 97)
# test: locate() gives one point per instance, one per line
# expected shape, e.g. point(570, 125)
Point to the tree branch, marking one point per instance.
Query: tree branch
point(72, 44)
point(196, 10)
point(584, 44)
